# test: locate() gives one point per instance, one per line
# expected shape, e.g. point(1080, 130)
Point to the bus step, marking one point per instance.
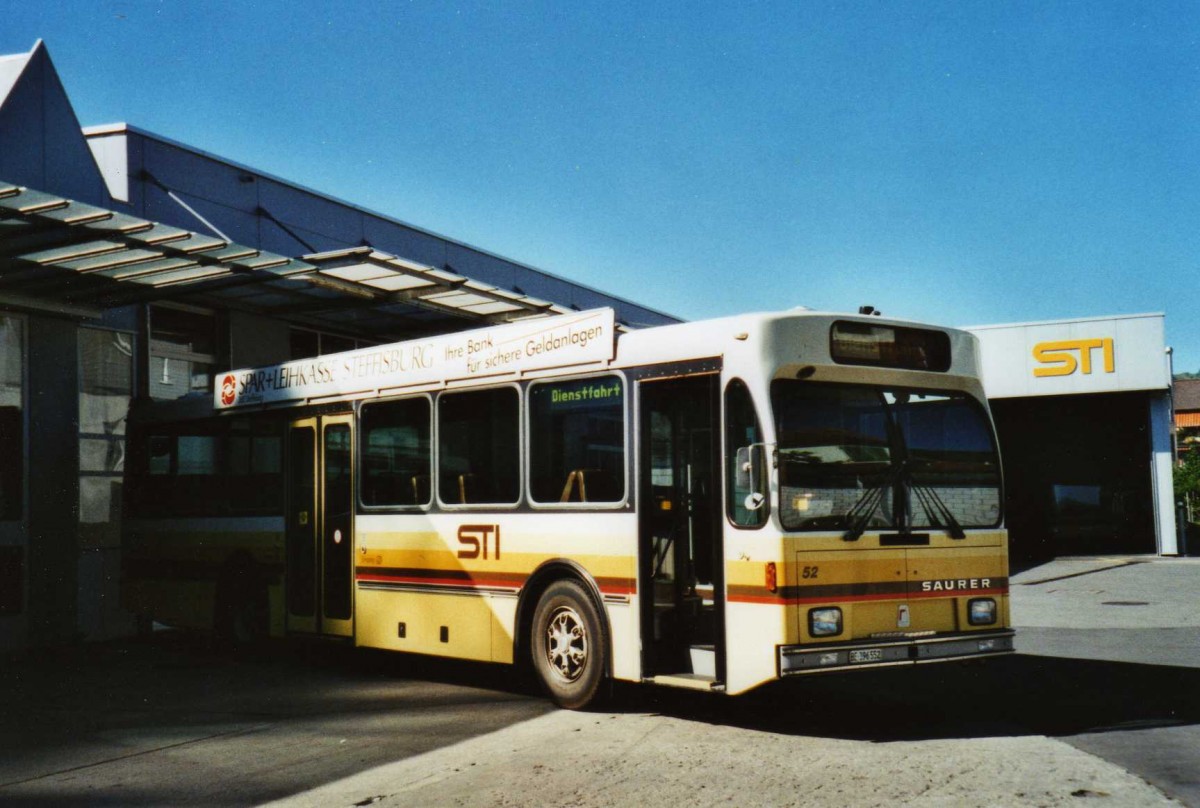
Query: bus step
point(704, 660)
point(691, 681)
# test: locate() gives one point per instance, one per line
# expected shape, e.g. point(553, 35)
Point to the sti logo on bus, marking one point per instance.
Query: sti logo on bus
point(476, 538)
point(1059, 358)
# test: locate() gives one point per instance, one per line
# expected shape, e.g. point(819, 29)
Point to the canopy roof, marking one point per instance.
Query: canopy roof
point(62, 253)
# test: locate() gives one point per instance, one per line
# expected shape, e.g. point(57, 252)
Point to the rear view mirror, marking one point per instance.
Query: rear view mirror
point(750, 486)
point(744, 468)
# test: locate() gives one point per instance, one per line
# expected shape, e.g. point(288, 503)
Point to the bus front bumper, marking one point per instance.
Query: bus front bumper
point(795, 659)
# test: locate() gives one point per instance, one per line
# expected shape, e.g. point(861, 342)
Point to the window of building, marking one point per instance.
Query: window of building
point(479, 447)
point(331, 343)
point(183, 351)
point(396, 463)
point(306, 344)
point(12, 430)
point(105, 390)
point(577, 440)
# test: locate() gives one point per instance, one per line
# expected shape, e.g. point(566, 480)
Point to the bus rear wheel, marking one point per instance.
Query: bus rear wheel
point(242, 609)
point(568, 646)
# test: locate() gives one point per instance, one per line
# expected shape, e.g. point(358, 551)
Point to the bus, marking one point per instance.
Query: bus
point(710, 505)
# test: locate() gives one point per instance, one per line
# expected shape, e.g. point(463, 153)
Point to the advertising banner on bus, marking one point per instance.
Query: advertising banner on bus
point(550, 342)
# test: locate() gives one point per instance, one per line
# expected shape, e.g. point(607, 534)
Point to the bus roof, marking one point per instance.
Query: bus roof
point(568, 340)
point(575, 342)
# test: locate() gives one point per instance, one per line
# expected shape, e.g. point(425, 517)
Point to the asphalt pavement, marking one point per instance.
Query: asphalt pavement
point(1140, 617)
point(1137, 609)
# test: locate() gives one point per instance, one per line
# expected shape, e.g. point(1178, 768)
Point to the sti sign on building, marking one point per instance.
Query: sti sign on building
point(1074, 357)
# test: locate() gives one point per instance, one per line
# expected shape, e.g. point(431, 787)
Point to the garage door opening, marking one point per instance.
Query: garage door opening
point(1077, 475)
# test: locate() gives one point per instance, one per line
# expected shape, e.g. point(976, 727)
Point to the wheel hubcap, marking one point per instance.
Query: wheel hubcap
point(566, 643)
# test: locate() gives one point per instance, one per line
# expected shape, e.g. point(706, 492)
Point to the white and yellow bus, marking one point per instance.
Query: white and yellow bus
point(711, 505)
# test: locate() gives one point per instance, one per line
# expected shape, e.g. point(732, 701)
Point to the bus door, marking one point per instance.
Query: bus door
point(320, 535)
point(680, 552)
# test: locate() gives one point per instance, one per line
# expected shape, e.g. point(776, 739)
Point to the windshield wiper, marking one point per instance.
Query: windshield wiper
point(940, 515)
point(861, 512)
point(935, 508)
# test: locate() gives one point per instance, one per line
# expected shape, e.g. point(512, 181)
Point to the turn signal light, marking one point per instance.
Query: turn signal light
point(772, 577)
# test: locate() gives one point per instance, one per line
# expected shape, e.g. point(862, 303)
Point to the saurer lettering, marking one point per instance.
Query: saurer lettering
point(956, 584)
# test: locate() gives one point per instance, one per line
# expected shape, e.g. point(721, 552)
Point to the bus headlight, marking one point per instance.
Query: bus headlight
point(981, 612)
point(825, 622)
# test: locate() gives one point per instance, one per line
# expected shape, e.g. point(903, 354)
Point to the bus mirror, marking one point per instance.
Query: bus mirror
point(745, 468)
point(750, 475)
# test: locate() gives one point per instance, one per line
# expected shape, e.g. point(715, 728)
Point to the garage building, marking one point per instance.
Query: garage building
point(1083, 411)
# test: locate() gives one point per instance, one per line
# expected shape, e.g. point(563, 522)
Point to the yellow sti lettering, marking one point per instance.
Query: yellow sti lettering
point(1059, 358)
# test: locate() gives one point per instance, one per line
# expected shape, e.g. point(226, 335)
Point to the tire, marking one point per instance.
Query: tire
point(567, 643)
point(242, 613)
point(143, 626)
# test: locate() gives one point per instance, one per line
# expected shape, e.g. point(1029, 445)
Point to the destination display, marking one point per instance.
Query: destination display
point(550, 342)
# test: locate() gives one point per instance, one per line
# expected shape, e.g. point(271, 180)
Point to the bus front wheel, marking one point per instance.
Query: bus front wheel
point(567, 645)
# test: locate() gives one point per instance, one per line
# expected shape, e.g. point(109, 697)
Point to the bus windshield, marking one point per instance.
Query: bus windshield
point(857, 457)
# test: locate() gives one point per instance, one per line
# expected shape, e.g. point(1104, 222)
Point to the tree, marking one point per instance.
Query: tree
point(1187, 475)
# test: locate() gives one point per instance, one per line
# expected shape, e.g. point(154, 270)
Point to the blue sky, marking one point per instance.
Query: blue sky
point(964, 163)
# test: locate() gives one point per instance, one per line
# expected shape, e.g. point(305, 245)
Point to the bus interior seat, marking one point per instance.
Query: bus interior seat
point(467, 488)
point(575, 489)
point(420, 484)
point(590, 485)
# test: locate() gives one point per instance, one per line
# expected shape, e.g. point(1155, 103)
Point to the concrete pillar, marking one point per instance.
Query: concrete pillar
point(53, 482)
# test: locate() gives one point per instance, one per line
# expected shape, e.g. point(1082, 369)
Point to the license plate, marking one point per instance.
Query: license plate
point(866, 655)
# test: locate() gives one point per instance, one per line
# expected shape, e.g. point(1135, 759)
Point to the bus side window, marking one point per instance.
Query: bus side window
point(161, 456)
point(396, 453)
point(255, 467)
point(479, 457)
point(742, 431)
point(577, 441)
point(153, 493)
point(199, 483)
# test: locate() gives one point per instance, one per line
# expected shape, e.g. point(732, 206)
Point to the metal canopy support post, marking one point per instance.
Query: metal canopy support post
point(1162, 473)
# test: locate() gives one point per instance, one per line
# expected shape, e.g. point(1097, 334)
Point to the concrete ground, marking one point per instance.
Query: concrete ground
point(644, 759)
point(1101, 705)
